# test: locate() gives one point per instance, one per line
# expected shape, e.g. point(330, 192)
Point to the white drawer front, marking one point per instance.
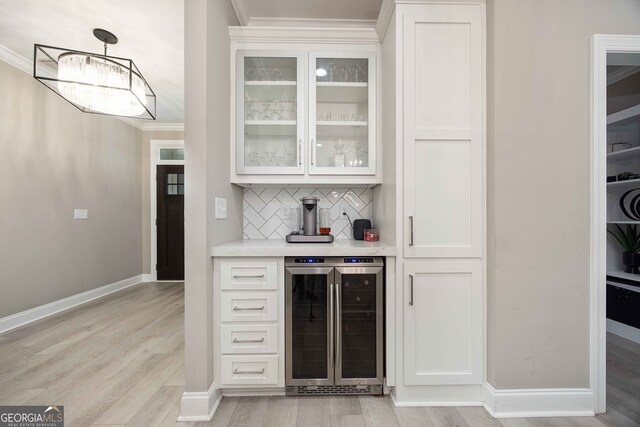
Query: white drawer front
point(249, 306)
point(248, 275)
point(236, 339)
point(250, 370)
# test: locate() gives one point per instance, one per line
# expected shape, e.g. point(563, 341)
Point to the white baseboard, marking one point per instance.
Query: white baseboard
point(624, 331)
point(199, 405)
point(148, 278)
point(553, 402)
point(20, 319)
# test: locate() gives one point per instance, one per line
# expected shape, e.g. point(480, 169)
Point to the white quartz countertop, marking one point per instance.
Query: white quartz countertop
point(276, 248)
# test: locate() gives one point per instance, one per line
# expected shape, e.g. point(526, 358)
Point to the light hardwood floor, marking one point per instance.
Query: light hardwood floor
point(119, 361)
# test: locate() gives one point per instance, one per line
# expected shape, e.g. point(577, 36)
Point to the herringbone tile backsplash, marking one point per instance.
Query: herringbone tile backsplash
point(263, 209)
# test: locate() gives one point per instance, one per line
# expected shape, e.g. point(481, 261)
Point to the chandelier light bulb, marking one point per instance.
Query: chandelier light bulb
point(102, 85)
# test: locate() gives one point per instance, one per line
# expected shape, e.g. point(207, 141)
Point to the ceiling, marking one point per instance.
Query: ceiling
point(310, 9)
point(150, 32)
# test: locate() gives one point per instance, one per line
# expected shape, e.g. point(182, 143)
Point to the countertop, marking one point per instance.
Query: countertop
point(278, 248)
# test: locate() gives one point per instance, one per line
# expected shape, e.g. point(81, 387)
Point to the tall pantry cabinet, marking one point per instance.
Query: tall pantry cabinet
point(437, 51)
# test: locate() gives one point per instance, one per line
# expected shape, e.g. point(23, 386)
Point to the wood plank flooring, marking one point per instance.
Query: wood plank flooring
point(119, 361)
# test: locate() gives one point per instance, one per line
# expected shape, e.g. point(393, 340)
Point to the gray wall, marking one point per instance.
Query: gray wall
point(539, 61)
point(207, 92)
point(53, 158)
point(146, 195)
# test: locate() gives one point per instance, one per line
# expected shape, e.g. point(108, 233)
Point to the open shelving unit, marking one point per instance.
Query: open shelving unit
point(622, 126)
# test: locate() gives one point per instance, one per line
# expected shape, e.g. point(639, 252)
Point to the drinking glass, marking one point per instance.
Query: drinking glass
point(325, 220)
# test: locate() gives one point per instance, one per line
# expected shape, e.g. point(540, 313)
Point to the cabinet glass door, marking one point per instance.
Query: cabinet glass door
point(342, 114)
point(269, 113)
point(359, 325)
point(309, 326)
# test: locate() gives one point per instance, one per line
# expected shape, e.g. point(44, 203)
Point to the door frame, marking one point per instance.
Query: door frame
point(601, 45)
point(154, 161)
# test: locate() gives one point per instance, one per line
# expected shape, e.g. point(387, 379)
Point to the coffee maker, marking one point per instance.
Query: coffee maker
point(309, 224)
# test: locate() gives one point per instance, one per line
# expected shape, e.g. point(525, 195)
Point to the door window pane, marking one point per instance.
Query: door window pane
point(171, 154)
point(358, 326)
point(270, 101)
point(175, 184)
point(309, 327)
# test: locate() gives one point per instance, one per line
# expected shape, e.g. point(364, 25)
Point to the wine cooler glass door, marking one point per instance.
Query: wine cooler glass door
point(309, 325)
point(359, 322)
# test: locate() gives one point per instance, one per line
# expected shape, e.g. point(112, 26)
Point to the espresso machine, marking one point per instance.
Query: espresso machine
point(310, 232)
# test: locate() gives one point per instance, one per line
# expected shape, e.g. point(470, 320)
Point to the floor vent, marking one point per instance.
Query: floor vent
point(327, 390)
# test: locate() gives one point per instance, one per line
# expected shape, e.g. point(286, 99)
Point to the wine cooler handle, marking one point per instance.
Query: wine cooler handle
point(338, 363)
point(332, 328)
point(411, 289)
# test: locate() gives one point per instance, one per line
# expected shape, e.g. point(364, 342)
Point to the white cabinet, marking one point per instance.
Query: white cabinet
point(443, 322)
point(341, 113)
point(443, 131)
point(434, 110)
point(249, 322)
point(304, 113)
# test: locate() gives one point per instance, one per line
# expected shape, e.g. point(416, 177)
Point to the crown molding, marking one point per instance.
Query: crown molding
point(162, 127)
point(303, 35)
point(311, 23)
point(240, 8)
point(16, 60)
point(384, 17)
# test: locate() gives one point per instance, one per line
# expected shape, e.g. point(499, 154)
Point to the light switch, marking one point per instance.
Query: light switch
point(221, 208)
point(80, 214)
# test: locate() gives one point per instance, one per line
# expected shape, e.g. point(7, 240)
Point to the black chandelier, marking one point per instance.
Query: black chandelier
point(95, 83)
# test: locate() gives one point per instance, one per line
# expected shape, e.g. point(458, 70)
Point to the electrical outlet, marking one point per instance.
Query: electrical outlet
point(343, 209)
point(284, 212)
point(80, 214)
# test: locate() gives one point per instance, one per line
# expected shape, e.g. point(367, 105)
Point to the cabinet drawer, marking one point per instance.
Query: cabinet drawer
point(249, 339)
point(248, 275)
point(249, 306)
point(249, 370)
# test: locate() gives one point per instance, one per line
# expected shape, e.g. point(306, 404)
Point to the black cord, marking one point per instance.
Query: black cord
point(350, 223)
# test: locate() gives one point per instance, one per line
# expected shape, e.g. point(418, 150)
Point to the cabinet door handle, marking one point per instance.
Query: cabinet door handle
point(300, 152)
point(236, 340)
point(313, 153)
point(248, 308)
point(261, 371)
point(410, 230)
point(411, 289)
point(254, 276)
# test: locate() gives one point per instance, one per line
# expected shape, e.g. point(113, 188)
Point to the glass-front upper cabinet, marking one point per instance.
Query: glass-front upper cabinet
point(269, 112)
point(342, 113)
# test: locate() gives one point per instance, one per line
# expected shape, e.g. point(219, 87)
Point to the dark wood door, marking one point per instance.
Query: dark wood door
point(170, 223)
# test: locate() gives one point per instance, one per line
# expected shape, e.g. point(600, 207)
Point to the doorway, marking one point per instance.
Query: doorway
point(615, 160)
point(166, 210)
point(170, 222)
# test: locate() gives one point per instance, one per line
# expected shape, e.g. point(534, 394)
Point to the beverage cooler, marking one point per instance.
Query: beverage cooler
point(334, 325)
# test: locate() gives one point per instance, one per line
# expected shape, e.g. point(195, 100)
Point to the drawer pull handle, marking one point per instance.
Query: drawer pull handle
point(236, 340)
point(255, 276)
point(261, 371)
point(248, 308)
